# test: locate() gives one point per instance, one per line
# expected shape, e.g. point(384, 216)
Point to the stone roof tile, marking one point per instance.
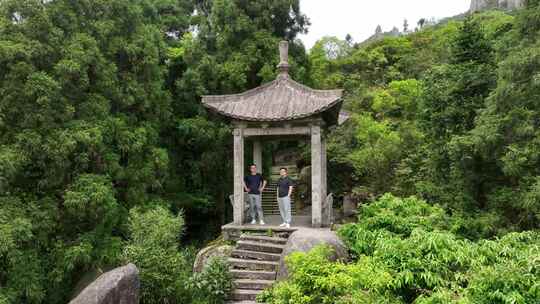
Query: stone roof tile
point(280, 100)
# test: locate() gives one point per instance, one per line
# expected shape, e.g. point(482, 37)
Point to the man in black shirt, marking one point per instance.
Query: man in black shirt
point(254, 185)
point(284, 192)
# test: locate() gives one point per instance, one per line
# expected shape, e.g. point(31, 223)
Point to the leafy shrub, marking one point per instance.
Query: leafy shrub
point(313, 279)
point(391, 216)
point(153, 247)
point(406, 253)
point(213, 285)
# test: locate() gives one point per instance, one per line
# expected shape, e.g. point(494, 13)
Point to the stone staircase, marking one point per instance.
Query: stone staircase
point(269, 200)
point(254, 264)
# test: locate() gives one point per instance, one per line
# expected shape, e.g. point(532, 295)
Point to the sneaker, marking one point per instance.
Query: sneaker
point(287, 226)
point(261, 222)
point(253, 222)
point(283, 225)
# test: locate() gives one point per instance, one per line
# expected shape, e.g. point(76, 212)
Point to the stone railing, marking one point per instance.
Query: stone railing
point(246, 204)
point(328, 211)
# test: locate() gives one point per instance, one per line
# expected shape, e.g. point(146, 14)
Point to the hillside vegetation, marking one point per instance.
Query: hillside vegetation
point(107, 156)
point(448, 117)
point(103, 140)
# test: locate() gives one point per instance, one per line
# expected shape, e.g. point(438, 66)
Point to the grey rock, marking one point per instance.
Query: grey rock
point(328, 211)
point(481, 5)
point(211, 252)
point(305, 239)
point(286, 157)
point(303, 186)
point(118, 286)
point(350, 206)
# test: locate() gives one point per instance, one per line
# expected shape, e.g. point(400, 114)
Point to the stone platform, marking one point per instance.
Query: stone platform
point(232, 232)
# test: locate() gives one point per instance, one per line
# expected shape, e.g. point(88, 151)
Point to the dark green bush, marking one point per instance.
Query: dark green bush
point(213, 285)
point(406, 253)
point(391, 217)
point(153, 247)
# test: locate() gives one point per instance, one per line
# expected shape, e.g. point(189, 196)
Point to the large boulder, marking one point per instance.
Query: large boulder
point(210, 252)
point(118, 286)
point(305, 239)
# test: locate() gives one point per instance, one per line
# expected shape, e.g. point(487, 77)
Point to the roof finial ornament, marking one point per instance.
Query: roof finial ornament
point(283, 65)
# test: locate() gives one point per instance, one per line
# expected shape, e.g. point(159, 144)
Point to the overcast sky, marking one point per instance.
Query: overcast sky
point(360, 17)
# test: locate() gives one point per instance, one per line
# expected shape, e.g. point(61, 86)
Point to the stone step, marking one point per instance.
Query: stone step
point(253, 264)
point(255, 255)
point(274, 206)
point(272, 202)
point(276, 212)
point(253, 284)
point(253, 274)
point(257, 246)
point(245, 294)
point(262, 238)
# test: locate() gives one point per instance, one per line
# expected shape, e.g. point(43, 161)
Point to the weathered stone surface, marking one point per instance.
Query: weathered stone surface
point(480, 5)
point(118, 286)
point(316, 176)
point(350, 206)
point(210, 252)
point(305, 239)
point(328, 211)
point(285, 157)
point(303, 186)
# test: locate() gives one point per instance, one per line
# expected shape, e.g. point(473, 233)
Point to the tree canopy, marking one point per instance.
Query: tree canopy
point(108, 157)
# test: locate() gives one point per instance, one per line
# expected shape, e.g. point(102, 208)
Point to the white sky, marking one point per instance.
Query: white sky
point(360, 17)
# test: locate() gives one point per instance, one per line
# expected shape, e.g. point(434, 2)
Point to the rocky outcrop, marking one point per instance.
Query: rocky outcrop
point(481, 5)
point(118, 286)
point(305, 239)
point(210, 252)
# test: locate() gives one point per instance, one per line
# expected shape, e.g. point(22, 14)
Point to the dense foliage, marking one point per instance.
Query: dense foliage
point(104, 142)
point(107, 156)
point(447, 113)
point(405, 252)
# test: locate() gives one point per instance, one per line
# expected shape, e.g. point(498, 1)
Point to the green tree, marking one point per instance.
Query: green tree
point(453, 95)
point(100, 114)
point(153, 247)
point(506, 135)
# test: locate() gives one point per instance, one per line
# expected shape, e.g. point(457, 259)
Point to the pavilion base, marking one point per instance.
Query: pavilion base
point(232, 232)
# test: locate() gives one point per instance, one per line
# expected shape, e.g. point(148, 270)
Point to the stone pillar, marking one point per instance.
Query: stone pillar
point(327, 213)
point(316, 176)
point(324, 163)
point(239, 201)
point(257, 155)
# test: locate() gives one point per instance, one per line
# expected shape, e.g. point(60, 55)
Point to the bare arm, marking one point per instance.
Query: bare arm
point(245, 187)
point(263, 186)
point(290, 190)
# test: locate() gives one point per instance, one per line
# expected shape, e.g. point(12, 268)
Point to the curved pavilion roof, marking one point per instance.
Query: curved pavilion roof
point(280, 100)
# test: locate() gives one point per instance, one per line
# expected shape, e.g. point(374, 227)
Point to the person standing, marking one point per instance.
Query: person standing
point(254, 185)
point(284, 192)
